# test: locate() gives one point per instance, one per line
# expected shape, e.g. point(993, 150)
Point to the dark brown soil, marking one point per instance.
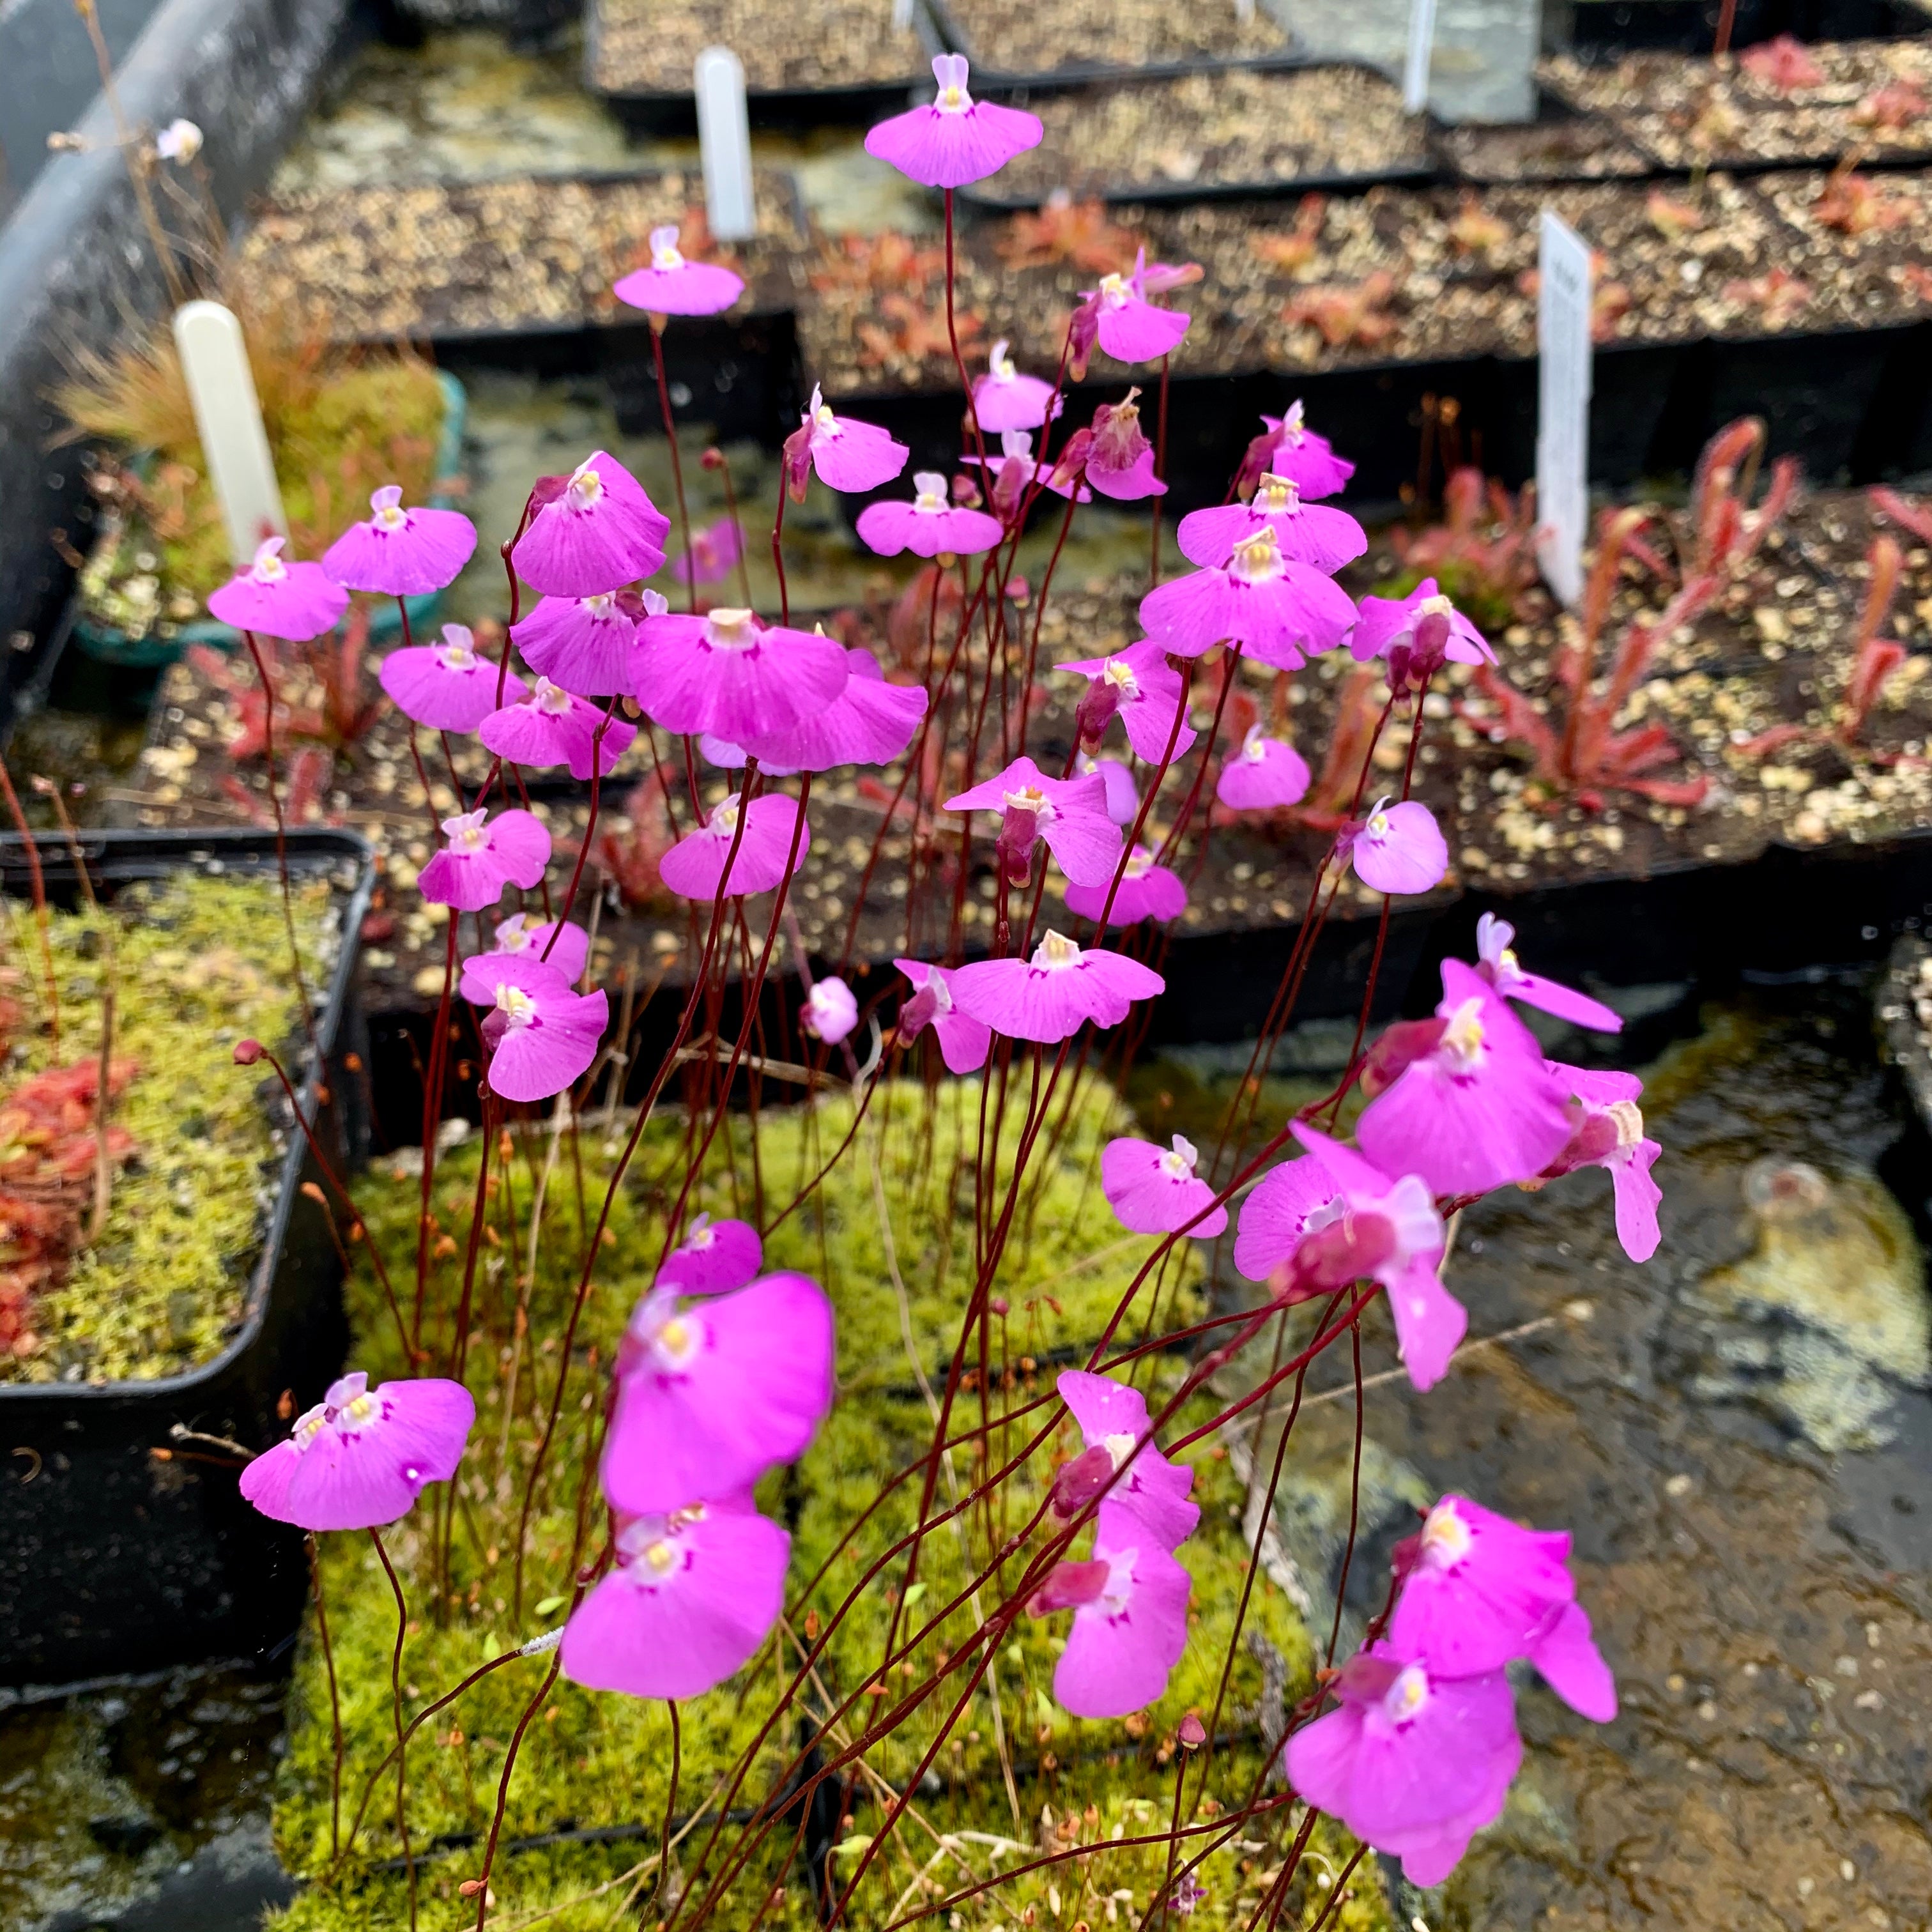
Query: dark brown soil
point(1023, 36)
point(649, 46)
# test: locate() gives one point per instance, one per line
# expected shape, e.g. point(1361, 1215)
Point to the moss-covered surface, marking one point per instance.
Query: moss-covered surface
point(196, 962)
point(594, 1761)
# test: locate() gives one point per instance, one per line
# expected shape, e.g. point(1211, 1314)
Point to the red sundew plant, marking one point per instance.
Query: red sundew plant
point(1077, 1508)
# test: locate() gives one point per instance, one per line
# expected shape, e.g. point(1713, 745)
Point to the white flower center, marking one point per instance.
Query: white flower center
point(1629, 1118)
point(954, 100)
point(1120, 675)
point(999, 365)
point(1463, 1044)
point(723, 822)
point(1407, 1695)
point(456, 657)
point(1118, 1446)
point(1445, 1536)
point(390, 517)
point(309, 1425)
point(730, 630)
point(516, 1005)
point(599, 603)
point(1055, 953)
point(1178, 1161)
point(551, 700)
point(1257, 559)
point(585, 488)
point(1437, 606)
point(1277, 495)
point(931, 498)
point(1292, 431)
point(1114, 291)
point(1254, 746)
point(1140, 860)
point(466, 833)
point(678, 1341)
point(1028, 798)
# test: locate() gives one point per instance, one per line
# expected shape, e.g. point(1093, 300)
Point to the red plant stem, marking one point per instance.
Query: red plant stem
point(281, 840)
point(677, 467)
point(1354, 1499)
point(958, 361)
point(396, 1690)
point(432, 1117)
point(1727, 15)
point(1160, 470)
point(530, 1710)
point(334, 1698)
point(737, 528)
point(778, 556)
point(30, 848)
point(507, 553)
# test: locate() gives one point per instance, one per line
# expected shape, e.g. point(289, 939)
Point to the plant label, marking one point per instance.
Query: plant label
point(724, 140)
point(228, 418)
point(1563, 352)
point(1415, 65)
point(901, 16)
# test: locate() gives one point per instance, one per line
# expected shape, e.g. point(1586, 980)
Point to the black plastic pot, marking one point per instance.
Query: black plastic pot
point(1166, 194)
point(113, 1560)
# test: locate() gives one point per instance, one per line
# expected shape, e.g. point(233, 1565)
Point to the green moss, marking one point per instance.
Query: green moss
point(197, 963)
point(597, 1761)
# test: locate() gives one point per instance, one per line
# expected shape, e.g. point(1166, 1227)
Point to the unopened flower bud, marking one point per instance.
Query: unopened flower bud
point(965, 493)
point(248, 1051)
point(1192, 1733)
point(713, 458)
point(1000, 1306)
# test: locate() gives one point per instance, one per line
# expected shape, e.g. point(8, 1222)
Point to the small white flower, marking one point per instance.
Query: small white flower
point(179, 141)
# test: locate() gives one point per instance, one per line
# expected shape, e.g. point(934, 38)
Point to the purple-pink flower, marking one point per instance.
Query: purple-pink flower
point(1154, 1190)
point(1465, 1100)
point(1139, 687)
point(713, 555)
point(1263, 775)
point(399, 552)
point(1130, 1606)
point(1496, 962)
point(710, 1396)
point(693, 867)
point(550, 726)
point(483, 856)
point(964, 1042)
point(1413, 1764)
point(1004, 399)
point(293, 601)
point(594, 530)
point(1112, 1417)
point(542, 1034)
point(588, 645)
point(446, 686)
point(1310, 533)
point(714, 1257)
point(1123, 801)
point(1610, 1134)
point(1277, 609)
point(1147, 891)
point(928, 526)
point(1417, 634)
point(870, 722)
point(693, 1594)
point(727, 673)
point(1068, 814)
point(1046, 998)
point(1288, 449)
point(359, 1458)
point(1397, 848)
point(669, 285)
point(1016, 469)
point(830, 1012)
point(1119, 316)
point(847, 454)
point(953, 139)
point(519, 937)
point(1114, 456)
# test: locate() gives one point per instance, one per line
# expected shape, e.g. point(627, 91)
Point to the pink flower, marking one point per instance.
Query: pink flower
point(1478, 1592)
point(1610, 1134)
point(1046, 997)
point(1496, 962)
point(359, 1458)
point(1016, 469)
point(672, 286)
point(401, 552)
point(693, 1594)
point(1416, 634)
point(928, 526)
point(1265, 774)
point(1124, 802)
point(964, 1042)
point(482, 857)
point(549, 726)
point(847, 454)
point(713, 1395)
point(1130, 1606)
point(715, 1256)
point(588, 645)
point(519, 937)
point(1464, 1100)
point(870, 722)
point(1113, 1421)
point(1296, 454)
point(1275, 608)
point(1310, 533)
point(446, 686)
point(727, 673)
point(1147, 891)
point(1388, 1231)
point(293, 601)
point(1117, 458)
point(830, 1011)
point(1069, 815)
point(594, 530)
point(1124, 322)
point(693, 867)
point(1414, 1764)
point(541, 1035)
point(1154, 1190)
point(1397, 848)
point(1004, 399)
point(954, 140)
point(713, 554)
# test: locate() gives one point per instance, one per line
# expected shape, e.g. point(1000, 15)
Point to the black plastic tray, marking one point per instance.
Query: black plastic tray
point(1422, 174)
point(111, 1561)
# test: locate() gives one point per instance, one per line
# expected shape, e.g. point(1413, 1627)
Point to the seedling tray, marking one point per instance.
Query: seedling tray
point(992, 75)
point(1086, 106)
point(1555, 149)
point(113, 1560)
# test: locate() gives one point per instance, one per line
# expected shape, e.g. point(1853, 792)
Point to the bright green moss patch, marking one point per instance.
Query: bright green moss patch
point(897, 1256)
point(196, 962)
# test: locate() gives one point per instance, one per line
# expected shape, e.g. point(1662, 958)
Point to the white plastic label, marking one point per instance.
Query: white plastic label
point(1563, 349)
point(228, 418)
point(724, 140)
point(901, 16)
point(1421, 46)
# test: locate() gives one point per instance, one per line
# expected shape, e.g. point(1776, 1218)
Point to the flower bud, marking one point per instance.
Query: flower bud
point(1076, 1484)
point(248, 1051)
point(1193, 1733)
